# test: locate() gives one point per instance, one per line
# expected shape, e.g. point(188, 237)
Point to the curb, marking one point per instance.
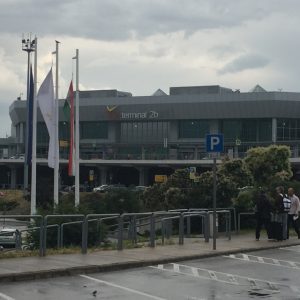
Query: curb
point(88, 269)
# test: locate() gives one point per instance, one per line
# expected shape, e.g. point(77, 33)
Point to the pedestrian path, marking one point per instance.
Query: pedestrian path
point(26, 268)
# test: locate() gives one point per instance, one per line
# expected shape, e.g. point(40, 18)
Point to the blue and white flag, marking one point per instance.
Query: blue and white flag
point(29, 118)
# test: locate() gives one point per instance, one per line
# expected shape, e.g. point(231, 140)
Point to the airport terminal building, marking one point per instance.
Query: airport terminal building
point(128, 139)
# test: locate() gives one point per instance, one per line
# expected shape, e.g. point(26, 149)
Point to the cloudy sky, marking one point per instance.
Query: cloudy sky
point(142, 45)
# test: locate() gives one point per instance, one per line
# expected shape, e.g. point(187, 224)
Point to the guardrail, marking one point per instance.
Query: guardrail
point(134, 221)
point(239, 218)
point(31, 217)
point(181, 217)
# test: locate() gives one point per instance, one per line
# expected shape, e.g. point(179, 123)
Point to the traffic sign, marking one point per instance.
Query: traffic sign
point(214, 143)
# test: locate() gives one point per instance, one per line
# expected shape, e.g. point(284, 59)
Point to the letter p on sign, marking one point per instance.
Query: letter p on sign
point(214, 143)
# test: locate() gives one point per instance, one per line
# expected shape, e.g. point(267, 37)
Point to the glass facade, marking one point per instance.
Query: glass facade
point(42, 136)
point(288, 129)
point(193, 129)
point(143, 131)
point(247, 130)
point(93, 130)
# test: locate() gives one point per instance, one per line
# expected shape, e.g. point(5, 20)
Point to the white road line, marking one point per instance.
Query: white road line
point(5, 297)
point(176, 268)
point(263, 260)
point(260, 259)
point(213, 275)
point(276, 262)
point(195, 272)
point(246, 257)
point(120, 287)
point(291, 249)
point(294, 265)
point(232, 279)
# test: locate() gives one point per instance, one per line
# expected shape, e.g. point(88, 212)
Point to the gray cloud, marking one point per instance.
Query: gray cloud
point(114, 19)
point(244, 62)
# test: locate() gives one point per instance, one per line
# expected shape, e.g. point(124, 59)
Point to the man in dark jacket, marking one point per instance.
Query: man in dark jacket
point(262, 213)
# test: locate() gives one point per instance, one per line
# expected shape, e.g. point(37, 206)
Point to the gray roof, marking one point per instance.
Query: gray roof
point(201, 106)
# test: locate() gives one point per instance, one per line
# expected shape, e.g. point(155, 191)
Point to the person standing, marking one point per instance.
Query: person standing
point(293, 214)
point(281, 215)
point(263, 214)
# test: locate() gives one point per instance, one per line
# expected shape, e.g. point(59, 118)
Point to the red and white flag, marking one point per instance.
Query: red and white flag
point(69, 113)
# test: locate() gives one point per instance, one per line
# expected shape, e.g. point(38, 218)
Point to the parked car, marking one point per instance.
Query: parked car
point(139, 188)
point(8, 237)
point(102, 188)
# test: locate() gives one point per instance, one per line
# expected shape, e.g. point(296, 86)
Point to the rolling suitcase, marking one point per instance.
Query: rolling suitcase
point(276, 230)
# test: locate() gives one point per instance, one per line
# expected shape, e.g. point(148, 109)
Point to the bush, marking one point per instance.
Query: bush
point(245, 201)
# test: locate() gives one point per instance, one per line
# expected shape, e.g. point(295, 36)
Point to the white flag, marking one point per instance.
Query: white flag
point(45, 98)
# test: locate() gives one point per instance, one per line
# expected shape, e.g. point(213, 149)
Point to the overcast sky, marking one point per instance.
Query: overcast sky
point(142, 45)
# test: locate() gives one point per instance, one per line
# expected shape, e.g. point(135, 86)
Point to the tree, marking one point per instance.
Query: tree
point(237, 171)
point(269, 164)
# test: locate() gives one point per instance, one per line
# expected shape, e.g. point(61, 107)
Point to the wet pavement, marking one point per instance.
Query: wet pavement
point(264, 274)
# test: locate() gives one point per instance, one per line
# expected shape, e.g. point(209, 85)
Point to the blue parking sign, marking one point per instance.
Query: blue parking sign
point(214, 143)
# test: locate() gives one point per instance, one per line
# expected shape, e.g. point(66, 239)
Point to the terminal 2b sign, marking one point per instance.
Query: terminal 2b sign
point(139, 115)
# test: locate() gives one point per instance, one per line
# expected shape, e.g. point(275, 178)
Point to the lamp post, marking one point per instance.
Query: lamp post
point(28, 45)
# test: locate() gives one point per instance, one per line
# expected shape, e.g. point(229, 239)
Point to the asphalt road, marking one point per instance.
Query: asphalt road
point(269, 274)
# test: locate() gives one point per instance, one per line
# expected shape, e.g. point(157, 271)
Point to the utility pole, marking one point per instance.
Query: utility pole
point(28, 45)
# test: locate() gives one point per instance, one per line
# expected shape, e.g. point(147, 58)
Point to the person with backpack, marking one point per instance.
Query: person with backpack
point(263, 213)
point(282, 207)
point(293, 214)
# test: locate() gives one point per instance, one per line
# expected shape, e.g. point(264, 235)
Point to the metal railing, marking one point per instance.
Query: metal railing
point(131, 222)
point(181, 217)
point(239, 218)
point(31, 217)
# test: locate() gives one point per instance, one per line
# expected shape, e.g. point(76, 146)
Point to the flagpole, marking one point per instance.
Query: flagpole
point(34, 124)
point(56, 167)
point(77, 138)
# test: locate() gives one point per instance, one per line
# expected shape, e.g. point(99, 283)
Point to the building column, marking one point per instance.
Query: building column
point(143, 176)
point(13, 177)
point(103, 175)
point(274, 130)
point(196, 153)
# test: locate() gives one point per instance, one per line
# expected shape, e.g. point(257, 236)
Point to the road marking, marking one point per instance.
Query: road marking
point(246, 257)
point(5, 297)
point(195, 272)
point(266, 260)
point(220, 277)
point(291, 248)
point(121, 287)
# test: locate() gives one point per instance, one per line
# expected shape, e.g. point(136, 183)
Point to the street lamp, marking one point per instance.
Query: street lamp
point(28, 45)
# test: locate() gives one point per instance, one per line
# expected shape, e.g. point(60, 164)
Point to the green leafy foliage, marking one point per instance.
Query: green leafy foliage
point(269, 164)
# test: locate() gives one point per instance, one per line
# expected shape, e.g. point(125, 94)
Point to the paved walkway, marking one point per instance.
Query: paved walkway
point(27, 268)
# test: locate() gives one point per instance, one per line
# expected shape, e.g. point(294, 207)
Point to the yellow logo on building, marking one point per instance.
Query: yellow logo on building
point(111, 108)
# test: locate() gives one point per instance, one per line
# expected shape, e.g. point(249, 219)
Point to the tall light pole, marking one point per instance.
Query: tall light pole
point(28, 45)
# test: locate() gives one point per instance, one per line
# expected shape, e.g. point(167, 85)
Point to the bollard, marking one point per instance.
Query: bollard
point(206, 228)
point(163, 229)
point(181, 229)
point(188, 226)
point(84, 242)
point(152, 231)
point(120, 232)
